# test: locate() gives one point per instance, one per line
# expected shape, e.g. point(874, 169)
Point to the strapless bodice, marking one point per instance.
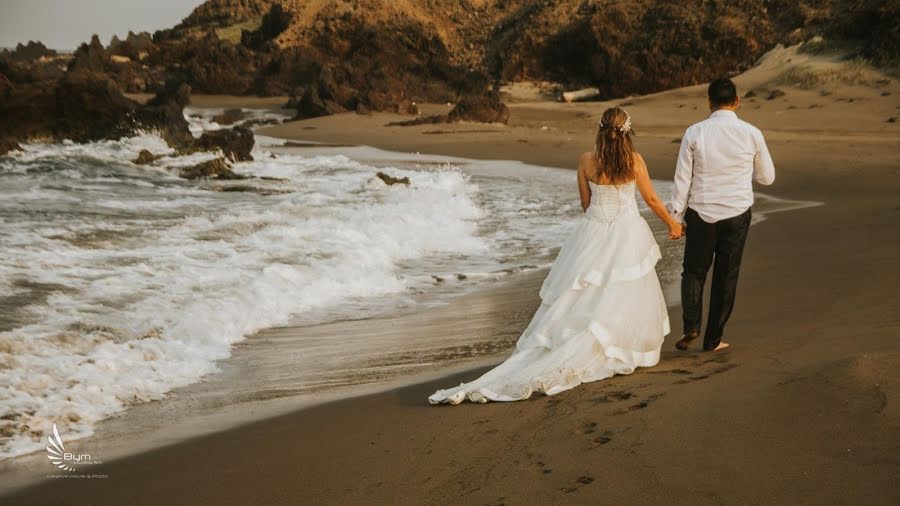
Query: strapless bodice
point(610, 203)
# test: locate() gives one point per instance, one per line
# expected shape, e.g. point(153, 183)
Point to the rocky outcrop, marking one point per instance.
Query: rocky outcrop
point(164, 113)
point(31, 71)
point(229, 117)
point(85, 106)
point(310, 103)
point(216, 168)
point(208, 64)
point(487, 108)
point(391, 180)
point(90, 107)
point(236, 144)
point(31, 51)
point(385, 55)
point(145, 157)
point(93, 58)
point(221, 13)
point(7, 145)
point(273, 23)
point(136, 46)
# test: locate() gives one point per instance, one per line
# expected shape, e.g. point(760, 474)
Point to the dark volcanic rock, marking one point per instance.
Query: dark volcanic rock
point(208, 64)
point(216, 168)
point(487, 108)
point(90, 107)
point(87, 106)
point(135, 46)
point(91, 57)
point(276, 21)
point(7, 145)
point(422, 120)
point(236, 143)
point(145, 157)
point(311, 104)
point(18, 71)
point(31, 51)
point(391, 180)
point(220, 13)
point(165, 114)
point(229, 117)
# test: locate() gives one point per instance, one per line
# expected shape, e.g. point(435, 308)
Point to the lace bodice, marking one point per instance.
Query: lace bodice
point(610, 203)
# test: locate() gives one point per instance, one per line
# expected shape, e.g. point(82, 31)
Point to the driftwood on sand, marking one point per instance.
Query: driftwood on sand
point(582, 94)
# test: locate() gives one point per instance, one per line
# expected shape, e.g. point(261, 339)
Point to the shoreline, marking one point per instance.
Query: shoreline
point(818, 344)
point(205, 408)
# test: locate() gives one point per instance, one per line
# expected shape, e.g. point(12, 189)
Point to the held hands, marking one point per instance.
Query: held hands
point(676, 231)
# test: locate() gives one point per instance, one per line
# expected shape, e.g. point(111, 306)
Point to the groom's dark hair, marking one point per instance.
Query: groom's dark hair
point(722, 92)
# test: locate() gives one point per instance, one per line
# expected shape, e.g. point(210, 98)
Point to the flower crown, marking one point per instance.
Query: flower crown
point(624, 128)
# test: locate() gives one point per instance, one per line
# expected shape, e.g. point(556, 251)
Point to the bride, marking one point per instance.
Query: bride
point(602, 310)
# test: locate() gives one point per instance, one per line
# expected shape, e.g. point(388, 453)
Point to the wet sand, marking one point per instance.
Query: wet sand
point(805, 408)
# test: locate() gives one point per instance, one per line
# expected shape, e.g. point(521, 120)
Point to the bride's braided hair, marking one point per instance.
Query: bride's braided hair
point(613, 149)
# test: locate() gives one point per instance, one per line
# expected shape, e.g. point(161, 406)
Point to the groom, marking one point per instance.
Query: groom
point(720, 157)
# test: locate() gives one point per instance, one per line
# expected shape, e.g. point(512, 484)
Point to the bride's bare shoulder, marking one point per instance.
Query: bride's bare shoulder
point(586, 160)
point(639, 163)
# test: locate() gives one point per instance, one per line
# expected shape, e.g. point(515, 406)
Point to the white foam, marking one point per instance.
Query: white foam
point(148, 298)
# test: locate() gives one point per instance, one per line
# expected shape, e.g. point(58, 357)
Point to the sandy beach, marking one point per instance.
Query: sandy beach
point(805, 408)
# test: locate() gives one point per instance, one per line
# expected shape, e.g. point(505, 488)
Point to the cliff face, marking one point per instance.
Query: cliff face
point(641, 46)
point(339, 55)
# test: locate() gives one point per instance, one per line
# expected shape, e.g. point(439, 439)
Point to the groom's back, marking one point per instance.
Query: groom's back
point(724, 151)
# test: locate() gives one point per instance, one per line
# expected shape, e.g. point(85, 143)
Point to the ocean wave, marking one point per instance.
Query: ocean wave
point(138, 282)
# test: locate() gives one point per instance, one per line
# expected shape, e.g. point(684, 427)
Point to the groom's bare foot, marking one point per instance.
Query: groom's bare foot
point(686, 340)
point(722, 345)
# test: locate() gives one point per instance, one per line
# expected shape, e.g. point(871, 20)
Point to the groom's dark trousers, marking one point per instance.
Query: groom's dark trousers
point(721, 245)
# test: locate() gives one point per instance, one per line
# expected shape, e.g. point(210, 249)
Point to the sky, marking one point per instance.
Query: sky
point(64, 24)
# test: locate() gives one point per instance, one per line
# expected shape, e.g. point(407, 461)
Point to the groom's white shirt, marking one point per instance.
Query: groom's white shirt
point(720, 157)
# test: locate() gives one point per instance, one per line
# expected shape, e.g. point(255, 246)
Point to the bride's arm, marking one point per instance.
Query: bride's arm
point(645, 186)
point(584, 189)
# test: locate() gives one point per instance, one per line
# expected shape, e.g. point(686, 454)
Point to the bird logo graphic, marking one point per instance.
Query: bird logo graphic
point(56, 451)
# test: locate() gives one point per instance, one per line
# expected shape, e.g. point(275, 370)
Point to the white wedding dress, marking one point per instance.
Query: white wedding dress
point(602, 310)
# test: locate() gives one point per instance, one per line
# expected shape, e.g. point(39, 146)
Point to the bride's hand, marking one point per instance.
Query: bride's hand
point(676, 231)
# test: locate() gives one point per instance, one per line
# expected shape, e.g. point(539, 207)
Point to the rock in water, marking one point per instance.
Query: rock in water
point(90, 107)
point(236, 143)
point(776, 93)
point(487, 108)
point(145, 157)
point(229, 117)
point(217, 168)
point(165, 113)
point(391, 180)
point(7, 145)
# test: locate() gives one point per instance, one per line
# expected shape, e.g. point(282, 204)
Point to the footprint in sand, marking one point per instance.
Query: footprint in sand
point(613, 397)
point(640, 405)
point(579, 482)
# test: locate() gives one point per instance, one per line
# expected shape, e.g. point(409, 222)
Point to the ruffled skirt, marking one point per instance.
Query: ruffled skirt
point(602, 313)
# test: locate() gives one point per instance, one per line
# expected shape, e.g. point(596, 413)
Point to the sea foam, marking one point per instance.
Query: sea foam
point(124, 282)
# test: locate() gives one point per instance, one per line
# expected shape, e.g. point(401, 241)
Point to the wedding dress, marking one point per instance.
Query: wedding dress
point(602, 310)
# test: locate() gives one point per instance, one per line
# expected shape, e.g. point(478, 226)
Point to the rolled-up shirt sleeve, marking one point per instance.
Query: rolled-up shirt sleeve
point(763, 167)
point(684, 172)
